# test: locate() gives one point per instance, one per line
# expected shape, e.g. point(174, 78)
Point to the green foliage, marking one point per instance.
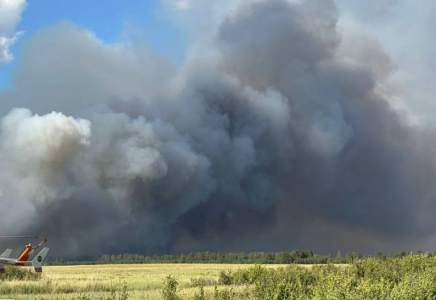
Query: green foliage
point(299, 256)
point(169, 291)
point(215, 293)
point(121, 295)
point(200, 295)
point(408, 277)
point(379, 255)
point(86, 297)
point(390, 278)
point(296, 256)
point(226, 278)
point(241, 276)
point(226, 294)
point(124, 294)
point(283, 258)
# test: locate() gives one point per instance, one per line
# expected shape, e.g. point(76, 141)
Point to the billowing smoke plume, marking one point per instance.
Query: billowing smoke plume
point(35, 155)
point(277, 133)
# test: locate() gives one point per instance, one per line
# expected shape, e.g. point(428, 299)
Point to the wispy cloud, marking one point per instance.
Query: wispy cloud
point(182, 5)
point(10, 16)
point(178, 4)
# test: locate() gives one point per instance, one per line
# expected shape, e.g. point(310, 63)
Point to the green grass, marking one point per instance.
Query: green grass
point(97, 281)
point(410, 277)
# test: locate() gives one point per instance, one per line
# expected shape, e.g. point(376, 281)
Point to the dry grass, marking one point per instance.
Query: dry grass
point(143, 281)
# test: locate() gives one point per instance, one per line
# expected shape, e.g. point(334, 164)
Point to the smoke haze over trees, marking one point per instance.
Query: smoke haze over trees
point(277, 132)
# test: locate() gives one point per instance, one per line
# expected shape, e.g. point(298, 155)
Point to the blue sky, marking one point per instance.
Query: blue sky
point(107, 19)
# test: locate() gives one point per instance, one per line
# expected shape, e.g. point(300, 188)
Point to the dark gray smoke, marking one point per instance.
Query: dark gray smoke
point(280, 133)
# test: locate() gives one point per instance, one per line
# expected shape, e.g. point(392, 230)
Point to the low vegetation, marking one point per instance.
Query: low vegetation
point(392, 278)
point(17, 274)
point(113, 282)
point(409, 277)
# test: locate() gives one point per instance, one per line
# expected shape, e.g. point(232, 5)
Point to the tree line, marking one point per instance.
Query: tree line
point(300, 256)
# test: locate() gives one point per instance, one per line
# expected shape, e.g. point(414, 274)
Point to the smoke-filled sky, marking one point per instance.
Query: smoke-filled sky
point(192, 125)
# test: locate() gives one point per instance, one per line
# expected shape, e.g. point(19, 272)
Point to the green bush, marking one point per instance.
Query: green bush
point(200, 295)
point(225, 278)
point(169, 291)
point(227, 294)
point(391, 278)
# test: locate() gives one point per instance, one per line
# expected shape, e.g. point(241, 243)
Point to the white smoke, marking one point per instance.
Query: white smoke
point(36, 152)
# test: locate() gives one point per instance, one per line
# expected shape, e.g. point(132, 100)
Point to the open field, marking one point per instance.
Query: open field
point(96, 281)
point(391, 278)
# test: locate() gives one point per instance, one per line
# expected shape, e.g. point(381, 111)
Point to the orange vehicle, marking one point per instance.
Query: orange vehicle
point(23, 259)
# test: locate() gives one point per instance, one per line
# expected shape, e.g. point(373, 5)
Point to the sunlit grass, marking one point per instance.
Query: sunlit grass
point(97, 282)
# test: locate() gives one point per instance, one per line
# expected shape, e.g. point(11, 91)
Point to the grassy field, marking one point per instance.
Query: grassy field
point(143, 281)
point(392, 278)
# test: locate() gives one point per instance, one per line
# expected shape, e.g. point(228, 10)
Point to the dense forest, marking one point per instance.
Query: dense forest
point(293, 257)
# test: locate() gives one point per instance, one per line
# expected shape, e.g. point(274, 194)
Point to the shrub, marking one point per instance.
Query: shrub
point(124, 294)
point(390, 278)
point(200, 295)
point(169, 291)
point(227, 294)
point(225, 278)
